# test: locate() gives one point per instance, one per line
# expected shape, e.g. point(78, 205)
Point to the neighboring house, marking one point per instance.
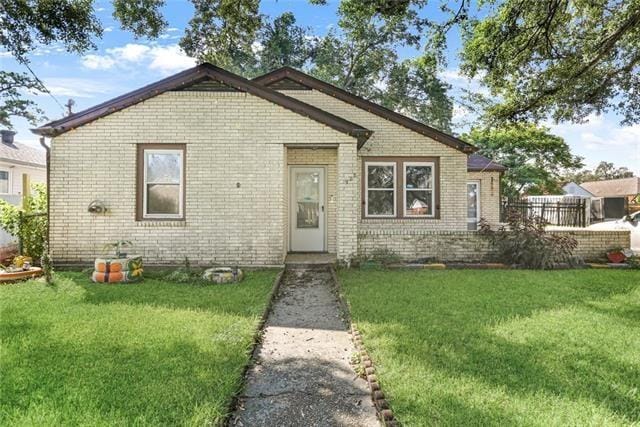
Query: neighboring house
point(18, 161)
point(217, 168)
point(573, 189)
point(619, 196)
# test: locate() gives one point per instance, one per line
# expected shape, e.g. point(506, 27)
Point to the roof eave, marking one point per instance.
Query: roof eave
point(188, 77)
point(336, 92)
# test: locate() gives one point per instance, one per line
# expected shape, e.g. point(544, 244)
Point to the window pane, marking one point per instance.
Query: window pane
point(472, 201)
point(380, 202)
point(4, 182)
point(380, 176)
point(163, 199)
point(419, 177)
point(163, 167)
point(419, 202)
point(308, 199)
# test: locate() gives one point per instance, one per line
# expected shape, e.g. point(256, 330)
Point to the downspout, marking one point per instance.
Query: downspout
point(48, 156)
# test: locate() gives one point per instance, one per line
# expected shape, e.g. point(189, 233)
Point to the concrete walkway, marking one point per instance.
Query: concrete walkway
point(302, 374)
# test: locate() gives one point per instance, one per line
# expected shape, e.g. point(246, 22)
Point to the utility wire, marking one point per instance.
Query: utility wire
point(45, 89)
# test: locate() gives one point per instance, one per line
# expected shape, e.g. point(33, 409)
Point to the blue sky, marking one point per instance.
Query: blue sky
point(122, 63)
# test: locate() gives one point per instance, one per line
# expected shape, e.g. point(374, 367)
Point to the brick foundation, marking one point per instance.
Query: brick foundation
point(468, 246)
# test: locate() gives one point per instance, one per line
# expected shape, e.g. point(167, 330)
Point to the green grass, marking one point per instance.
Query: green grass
point(154, 353)
point(479, 347)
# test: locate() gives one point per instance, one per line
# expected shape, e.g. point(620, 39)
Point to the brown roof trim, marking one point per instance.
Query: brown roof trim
point(385, 113)
point(194, 75)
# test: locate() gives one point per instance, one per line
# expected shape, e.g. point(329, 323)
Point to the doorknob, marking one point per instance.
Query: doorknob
point(322, 207)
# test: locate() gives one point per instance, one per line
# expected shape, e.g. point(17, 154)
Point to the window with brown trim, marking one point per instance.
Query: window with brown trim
point(160, 182)
point(401, 187)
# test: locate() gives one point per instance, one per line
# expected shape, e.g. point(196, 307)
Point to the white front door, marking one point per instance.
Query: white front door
point(306, 209)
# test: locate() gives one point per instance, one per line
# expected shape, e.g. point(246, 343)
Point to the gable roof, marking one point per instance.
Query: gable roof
point(22, 154)
point(573, 189)
point(195, 75)
point(613, 187)
point(289, 74)
point(479, 163)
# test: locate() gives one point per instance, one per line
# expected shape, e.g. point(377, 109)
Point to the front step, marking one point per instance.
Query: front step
point(310, 260)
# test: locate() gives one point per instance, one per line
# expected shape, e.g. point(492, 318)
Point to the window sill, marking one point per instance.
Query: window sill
point(161, 223)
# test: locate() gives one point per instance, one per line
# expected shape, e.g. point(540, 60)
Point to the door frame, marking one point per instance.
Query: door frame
point(290, 214)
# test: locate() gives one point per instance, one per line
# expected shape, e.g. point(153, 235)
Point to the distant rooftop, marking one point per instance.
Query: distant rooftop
point(15, 152)
point(613, 187)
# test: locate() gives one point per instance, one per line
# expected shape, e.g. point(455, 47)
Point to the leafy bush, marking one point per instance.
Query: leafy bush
point(524, 241)
point(18, 222)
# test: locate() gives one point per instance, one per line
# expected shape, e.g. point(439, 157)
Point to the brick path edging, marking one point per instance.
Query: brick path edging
point(257, 337)
point(383, 409)
point(385, 413)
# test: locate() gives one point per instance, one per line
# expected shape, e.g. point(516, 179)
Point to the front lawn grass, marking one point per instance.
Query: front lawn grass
point(154, 353)
point(481, 347)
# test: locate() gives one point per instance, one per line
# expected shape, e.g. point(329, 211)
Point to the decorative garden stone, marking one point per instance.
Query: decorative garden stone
point(223, 275)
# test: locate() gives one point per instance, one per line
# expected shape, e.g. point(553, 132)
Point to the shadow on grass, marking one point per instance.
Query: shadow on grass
point(525, 336)
point(246, 298)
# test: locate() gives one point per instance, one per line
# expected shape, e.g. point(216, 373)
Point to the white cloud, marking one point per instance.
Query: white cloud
point(169, 59)
point(108, 29)
point(166, 59)
point(131, 52)
point(76, 87)
point(98, 62)
point(602, 138)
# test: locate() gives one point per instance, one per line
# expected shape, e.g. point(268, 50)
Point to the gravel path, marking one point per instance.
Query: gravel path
point(302, 374)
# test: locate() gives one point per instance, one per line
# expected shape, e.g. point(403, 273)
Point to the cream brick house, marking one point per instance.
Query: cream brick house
point(208, 165)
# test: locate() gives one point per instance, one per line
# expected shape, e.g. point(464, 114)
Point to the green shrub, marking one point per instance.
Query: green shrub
point(19, 222)
point(525, 242)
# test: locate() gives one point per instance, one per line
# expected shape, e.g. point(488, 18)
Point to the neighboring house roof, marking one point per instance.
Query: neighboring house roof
point(479, 163)
point(195, 75)
point(573, 189)
point(614, 187)
point(287, 78)
point(22, 154)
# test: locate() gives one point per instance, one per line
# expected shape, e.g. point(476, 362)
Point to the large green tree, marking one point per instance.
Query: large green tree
point(536, 159)
point(604, 170)
point(560, 58)
point(28, 24)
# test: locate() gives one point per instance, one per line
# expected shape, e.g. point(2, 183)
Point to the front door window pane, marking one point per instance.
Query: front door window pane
point(308, 199)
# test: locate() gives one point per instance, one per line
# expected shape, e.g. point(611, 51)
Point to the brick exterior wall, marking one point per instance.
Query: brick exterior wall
point(489, 195)
point(465, 246)
point(391, 139)
point(230, 138)
point(235, 138)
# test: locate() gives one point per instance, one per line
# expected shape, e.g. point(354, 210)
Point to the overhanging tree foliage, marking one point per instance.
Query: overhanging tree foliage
point(535, 158)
